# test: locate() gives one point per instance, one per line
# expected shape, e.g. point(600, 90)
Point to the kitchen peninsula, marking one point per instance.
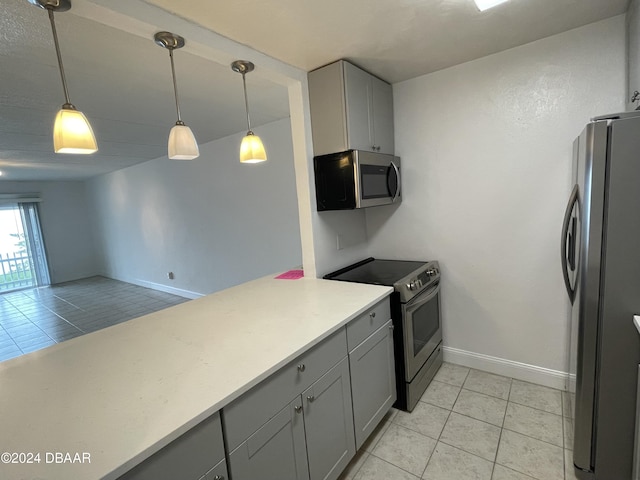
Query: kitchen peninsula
point(123, 393)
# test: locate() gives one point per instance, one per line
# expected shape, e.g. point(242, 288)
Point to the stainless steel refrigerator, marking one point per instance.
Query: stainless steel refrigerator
point(601, 267)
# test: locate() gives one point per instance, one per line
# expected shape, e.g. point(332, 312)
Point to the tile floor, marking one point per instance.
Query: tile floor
point(472, 425)
point(39, 317)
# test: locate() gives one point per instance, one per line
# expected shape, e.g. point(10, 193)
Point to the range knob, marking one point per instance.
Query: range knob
point(412, 286)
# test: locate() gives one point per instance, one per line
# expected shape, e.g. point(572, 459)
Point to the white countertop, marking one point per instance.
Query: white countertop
point(123, 393)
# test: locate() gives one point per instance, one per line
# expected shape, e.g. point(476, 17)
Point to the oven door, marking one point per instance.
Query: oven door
point(422, 332)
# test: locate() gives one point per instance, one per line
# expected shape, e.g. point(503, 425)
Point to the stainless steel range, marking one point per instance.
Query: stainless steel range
point(415, 310)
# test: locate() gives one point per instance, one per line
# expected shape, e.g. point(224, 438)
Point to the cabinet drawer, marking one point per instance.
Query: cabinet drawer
point(367, 323)
point(253, 409)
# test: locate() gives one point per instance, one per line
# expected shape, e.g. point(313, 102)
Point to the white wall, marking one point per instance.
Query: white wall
point(64, 219)
point(486, 150)
point(212, 221)
point(633, 52)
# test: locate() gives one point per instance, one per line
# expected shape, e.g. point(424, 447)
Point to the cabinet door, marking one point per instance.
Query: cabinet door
point(188, 457)
point(382, 116)
point(219, 472)
point(276, 451)
point(373, 381)
point(328, 419)
point(357, 84)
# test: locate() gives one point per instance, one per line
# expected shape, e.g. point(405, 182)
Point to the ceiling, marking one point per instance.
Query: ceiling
point(122, 82)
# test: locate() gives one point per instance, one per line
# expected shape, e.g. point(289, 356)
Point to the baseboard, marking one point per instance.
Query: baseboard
point(507, 368)
point(157, 286)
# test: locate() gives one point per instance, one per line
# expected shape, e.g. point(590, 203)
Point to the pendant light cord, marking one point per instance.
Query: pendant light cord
point(175, 87)
point(246, 102)
point(55, 41)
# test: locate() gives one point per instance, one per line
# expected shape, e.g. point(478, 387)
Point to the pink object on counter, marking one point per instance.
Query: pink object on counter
point(291, 275)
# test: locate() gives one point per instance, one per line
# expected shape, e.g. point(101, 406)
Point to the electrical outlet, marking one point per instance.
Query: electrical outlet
point(170, 275)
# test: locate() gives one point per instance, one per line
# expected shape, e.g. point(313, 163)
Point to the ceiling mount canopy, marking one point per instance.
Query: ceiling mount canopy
point(72, 132)
point(251, 148)
point(182, 143)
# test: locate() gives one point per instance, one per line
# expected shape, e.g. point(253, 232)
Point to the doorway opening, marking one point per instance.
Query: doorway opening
point(23, 263)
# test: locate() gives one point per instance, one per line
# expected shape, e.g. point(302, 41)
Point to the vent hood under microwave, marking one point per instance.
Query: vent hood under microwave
point(356, 179)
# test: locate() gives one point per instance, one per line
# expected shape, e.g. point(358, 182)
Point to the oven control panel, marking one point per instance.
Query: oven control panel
point(419, 280)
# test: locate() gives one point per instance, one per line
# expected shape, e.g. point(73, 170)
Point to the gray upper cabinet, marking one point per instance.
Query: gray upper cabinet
point(350, 109)
point(197, 454)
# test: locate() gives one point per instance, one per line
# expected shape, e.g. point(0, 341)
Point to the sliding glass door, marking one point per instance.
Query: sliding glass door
point(23, 262)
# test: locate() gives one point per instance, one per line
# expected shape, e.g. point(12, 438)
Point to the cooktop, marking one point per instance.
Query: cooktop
point(377, 272)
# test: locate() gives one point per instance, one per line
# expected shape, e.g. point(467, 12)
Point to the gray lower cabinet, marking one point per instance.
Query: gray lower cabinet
point(196, 455)
point(373, 381)
point(636, 451)
point(276, 451)
point(312, 438)
point(219, 472)
point(328, 421)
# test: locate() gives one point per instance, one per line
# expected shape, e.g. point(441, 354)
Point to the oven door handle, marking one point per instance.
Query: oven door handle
point(423, 297)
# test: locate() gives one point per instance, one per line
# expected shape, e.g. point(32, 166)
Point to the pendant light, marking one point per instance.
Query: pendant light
point(72, 132)
point(251, 148)
point(182, 142)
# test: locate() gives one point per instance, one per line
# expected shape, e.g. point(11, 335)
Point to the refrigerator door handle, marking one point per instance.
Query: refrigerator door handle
point(566, 238)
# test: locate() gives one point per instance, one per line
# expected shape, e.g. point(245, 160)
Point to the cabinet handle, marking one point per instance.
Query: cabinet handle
point(298, 408)
point(218, 477)
point(311, 398)
point(301, 367)
point(372, 314)
point(390, 327)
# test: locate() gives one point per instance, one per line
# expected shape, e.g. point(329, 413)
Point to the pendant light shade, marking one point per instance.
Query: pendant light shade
point(72, 132)
point(182, 142)
point(251, 148)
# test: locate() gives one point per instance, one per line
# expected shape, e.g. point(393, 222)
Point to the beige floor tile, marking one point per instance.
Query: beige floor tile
point(568, 433)
point(471, 435)
point(567, 405)
point(450, 463)
point(504, 473)
point(569, 469)
point(536, 458)
point(441, 394)
point(534, 423)
point(425, 419)
point(405, 448)
point(452, 374)
point(375, 468)
point(481, 407)
point(371, 442)
point(354, 465)
point(488, 383)
point(536, 396)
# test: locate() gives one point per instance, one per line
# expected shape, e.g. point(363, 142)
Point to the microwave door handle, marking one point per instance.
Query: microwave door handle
point(397, 193)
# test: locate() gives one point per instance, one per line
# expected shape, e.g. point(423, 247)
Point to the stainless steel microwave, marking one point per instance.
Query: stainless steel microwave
point(356, 179)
